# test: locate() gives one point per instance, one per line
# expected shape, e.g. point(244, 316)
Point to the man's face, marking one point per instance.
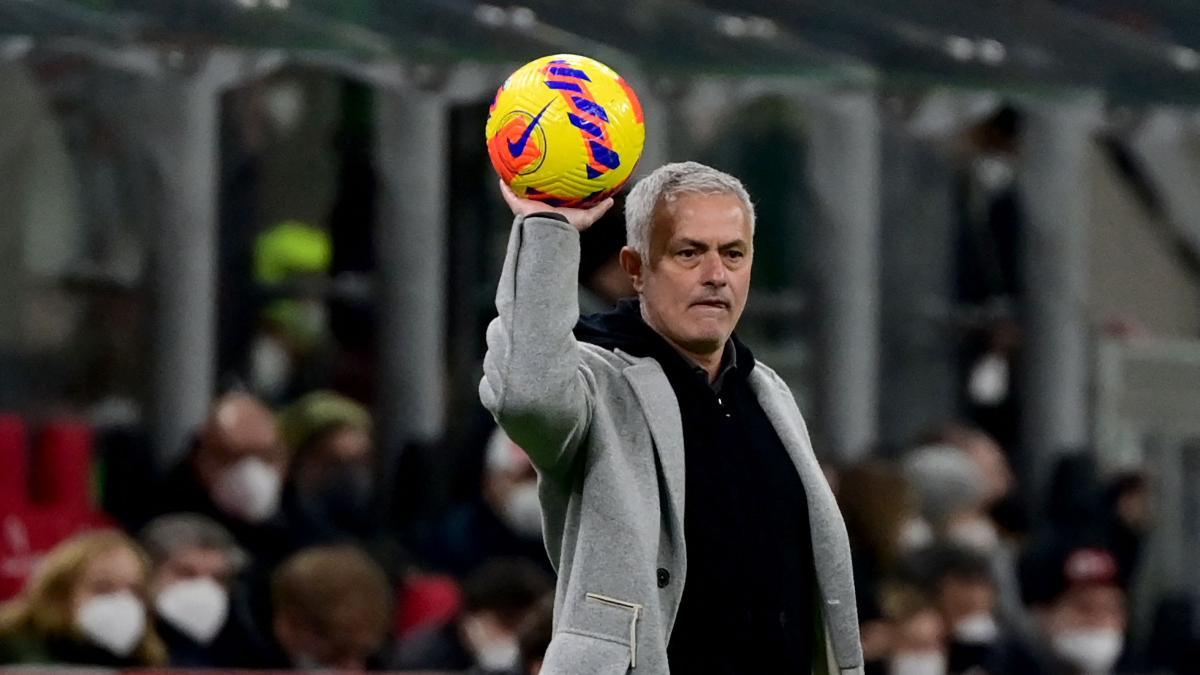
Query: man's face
point(695, 284)
point(342, 449)
point(194, 563)
point(239, 428)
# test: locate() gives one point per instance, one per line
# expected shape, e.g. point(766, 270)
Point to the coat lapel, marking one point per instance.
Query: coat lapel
point(831, 546)
point(661, 408)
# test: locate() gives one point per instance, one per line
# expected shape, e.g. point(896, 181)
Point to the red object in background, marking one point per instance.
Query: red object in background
point(63, 466)
point(426, 600)
point(14, 463)
point(62, 480)
point(27, 535)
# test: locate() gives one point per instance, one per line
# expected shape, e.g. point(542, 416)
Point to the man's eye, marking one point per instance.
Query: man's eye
point(736, 255)
point(687, 253)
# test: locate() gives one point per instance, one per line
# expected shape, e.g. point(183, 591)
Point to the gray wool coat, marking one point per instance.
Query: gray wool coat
point(603, 430)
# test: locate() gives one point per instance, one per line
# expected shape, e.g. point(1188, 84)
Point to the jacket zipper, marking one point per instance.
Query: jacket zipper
point(636, 610)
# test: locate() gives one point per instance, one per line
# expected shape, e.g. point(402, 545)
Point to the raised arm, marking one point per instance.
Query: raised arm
point(534, 381)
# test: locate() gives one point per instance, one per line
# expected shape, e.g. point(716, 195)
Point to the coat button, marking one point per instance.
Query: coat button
point(664, 577)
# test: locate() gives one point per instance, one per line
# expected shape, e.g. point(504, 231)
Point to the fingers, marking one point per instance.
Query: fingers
point(589, 216)
point(510, 197)
point(600, 209)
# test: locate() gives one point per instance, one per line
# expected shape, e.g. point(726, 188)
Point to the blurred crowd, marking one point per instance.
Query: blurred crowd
point(262, 548)
point(954, 575)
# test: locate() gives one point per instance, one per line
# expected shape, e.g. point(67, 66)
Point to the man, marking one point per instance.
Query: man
point(689, 522)
point(484, 638)
point(332, 609)
point(330, 495)
point(1080, 612)
point(194, 561)
point(234, 475)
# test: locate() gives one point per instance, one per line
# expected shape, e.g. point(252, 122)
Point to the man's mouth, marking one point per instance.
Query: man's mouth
point(719, 304)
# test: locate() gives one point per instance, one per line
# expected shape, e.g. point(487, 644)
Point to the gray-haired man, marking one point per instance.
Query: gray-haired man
point(193, 564)
point(683, 508)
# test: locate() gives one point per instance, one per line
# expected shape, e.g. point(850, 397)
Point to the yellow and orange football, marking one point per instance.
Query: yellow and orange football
point(566, 130)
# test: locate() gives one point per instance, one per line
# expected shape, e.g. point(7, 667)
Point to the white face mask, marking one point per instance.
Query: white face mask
point(977, 629)
point(114, 621)
point(988, 384)
point(978, 534)
point(1092, 651)
point(270, 366)
point(522, 511)
point(915, 534)
point(249, 490)
point(491, 651)
point(284, 104)
point(197, 607)
point(918, 663)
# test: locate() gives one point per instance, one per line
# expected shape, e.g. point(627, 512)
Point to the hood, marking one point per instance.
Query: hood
point(623, 328)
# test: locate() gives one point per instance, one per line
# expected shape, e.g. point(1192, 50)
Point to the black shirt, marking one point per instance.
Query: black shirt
point(748, 602)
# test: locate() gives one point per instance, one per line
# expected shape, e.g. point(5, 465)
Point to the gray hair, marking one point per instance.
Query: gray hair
point(167, 535)
point(663, 186)
point(945, 480)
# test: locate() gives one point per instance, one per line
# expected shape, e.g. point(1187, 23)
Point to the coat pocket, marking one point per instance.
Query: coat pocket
point(635, 613)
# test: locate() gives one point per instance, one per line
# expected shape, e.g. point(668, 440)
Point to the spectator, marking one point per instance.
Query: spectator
point(962, 588)
point(918, 633)
point(497, 599)
point(234, 475)
point(988, 456)
point(601, 279)
point(534, 634)
point(332, 608)
point(883, 523)
point(504, 523)
point(952, 495)
point(331, 489)
point(291, 267)
point(1080, 610)
point(194, 561)
point(84, 606)
point(1128, 505)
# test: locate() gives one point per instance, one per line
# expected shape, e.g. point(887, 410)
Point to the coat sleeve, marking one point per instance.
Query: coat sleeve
point(534, 380)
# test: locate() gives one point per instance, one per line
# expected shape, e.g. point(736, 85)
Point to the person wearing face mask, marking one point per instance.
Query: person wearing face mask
point(1080, 611)
point(484, 638)
point(194, 563)
point(883, 523)
point(291, 264)
point(84, 606)
point(233, 474)
point(506, 522)
point(330, 492)
point(332, 609)
point(959, 581)
point(917, 633)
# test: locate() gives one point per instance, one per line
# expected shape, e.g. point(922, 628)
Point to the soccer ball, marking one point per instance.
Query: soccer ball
point(565, 130)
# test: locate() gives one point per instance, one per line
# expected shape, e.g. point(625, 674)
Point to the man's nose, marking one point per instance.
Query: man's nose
point(713, 269)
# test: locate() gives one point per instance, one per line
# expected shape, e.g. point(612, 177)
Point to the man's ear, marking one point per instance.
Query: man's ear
point(631, 262)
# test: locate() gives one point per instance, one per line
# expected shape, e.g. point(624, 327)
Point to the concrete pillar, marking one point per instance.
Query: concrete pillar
point(411, 253)
point(1053, 268)
point(173, 112)
point(843, 170)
